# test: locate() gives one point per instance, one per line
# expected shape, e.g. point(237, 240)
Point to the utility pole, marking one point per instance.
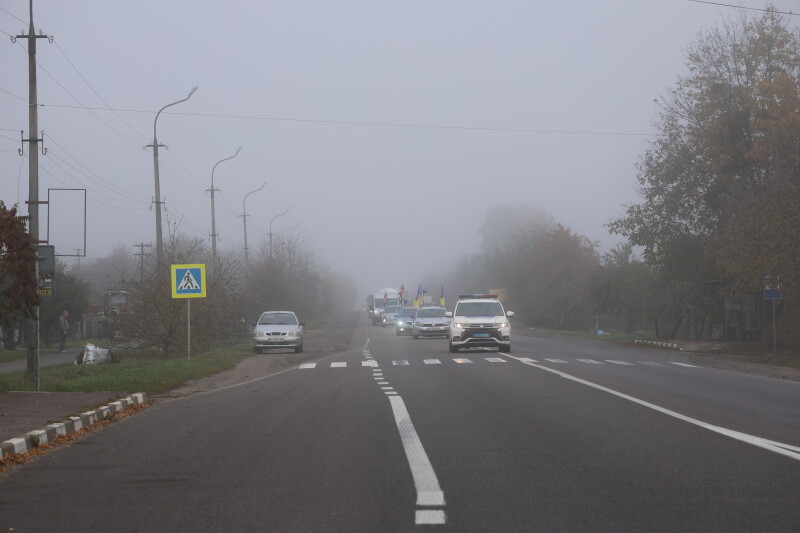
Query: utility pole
point(213, 216)
point(32, 326)
point(141, 255)
point(157, 200)
point(244, 216)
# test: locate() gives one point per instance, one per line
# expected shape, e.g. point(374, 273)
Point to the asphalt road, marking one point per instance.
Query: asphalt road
point(398, 434)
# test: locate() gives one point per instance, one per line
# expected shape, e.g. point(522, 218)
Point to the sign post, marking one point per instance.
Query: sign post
point(772, 291)
point(188, 281)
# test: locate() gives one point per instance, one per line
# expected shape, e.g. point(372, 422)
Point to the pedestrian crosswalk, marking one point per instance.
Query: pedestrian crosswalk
point(491, 360)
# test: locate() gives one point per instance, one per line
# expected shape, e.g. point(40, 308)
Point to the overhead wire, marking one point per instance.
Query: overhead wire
point(95, 92)
point(746, 8)
point(374, 124)
point(96, 178)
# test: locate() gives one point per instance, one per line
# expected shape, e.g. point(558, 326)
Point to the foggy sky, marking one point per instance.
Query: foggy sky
point(387, 128)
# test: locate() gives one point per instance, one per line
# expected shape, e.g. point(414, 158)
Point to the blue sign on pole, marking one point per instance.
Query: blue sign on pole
point(188, 281)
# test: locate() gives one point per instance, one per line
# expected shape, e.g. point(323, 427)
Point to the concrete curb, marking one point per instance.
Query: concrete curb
point(36, 437)
point(659, 344)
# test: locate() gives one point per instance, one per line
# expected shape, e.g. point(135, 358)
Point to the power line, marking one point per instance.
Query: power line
point(97, 178)
point(13, 15)
point(95, 92)
point(746, 8)
point(375, 124)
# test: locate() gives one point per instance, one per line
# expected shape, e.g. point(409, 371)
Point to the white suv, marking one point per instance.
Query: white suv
point(479, 320)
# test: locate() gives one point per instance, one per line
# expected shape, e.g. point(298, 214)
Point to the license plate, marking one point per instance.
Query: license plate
point(275, 339)
point(480, 334)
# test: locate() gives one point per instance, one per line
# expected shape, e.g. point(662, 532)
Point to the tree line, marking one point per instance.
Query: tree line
point(718, 217)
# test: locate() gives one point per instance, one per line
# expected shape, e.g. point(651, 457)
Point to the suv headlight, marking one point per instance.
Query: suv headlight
point(502, 325)
point(459, 325)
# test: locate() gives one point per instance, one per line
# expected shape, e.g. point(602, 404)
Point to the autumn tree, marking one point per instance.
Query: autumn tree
point(18, 284)
point(719, 185)
point(556, 280)
point(157, 321)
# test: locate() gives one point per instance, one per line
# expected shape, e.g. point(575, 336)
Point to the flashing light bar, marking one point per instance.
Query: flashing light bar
point(464, 296)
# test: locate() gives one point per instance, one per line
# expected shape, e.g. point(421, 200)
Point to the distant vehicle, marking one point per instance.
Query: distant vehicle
point(479, 320)
point(278, 329)
point(380, 300)
point(431, 321)
point(405, 321)
point(389, 315)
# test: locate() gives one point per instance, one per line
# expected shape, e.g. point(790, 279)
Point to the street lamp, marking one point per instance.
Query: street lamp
point(270, 230)
point(244, 220)
point(213, 218)
point(155, 145)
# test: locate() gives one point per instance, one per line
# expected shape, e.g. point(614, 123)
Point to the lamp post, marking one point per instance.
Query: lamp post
point(213, 218)
point(155, 145)
point(244, 220)
point(270, 231)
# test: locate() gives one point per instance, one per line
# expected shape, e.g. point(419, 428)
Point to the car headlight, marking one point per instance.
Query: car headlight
point(259, 334)
point(459, 325)
point(502, 325)
point(294, 333)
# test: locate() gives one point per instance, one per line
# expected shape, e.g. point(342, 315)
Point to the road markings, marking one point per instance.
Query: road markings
point(560, 361)
point(787, 450)
point(342, 364)
point(495, 359)
point(619, 362)
point(590, 361)
point(462, 361)
point(430, 517)
point(686, 365)
point(372, 363)
point(651, 363)
point(429, 493)
point(527, 360)
point(432, 362)
point(401, 362)
point(307, 365)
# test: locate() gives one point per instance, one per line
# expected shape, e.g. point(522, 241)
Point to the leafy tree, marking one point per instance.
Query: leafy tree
point(557, 278)
point(719, 185)
point(18, 284)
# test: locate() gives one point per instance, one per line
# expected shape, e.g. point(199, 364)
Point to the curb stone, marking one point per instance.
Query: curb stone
point(659, 344)
point(34, 438)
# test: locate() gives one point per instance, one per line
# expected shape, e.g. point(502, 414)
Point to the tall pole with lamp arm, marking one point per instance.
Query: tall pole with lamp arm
point(213, 218)
point(157, 200)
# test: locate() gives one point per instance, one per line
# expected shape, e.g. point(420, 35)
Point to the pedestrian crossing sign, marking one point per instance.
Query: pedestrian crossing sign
point(188, 281)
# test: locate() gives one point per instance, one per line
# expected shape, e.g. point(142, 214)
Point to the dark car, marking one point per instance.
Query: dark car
point(405, 321)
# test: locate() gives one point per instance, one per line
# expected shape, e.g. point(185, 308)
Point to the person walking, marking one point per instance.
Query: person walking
point(63, 330)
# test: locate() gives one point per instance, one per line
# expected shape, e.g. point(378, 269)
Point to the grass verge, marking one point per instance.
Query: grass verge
point(137, 374)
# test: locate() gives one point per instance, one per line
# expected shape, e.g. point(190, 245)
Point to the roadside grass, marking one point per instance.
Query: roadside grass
point(133, 374)
point(21, 352)
point(619, 338)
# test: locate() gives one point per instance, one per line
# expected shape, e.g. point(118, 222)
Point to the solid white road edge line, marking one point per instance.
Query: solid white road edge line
point(787, 450)
point(425, 480)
